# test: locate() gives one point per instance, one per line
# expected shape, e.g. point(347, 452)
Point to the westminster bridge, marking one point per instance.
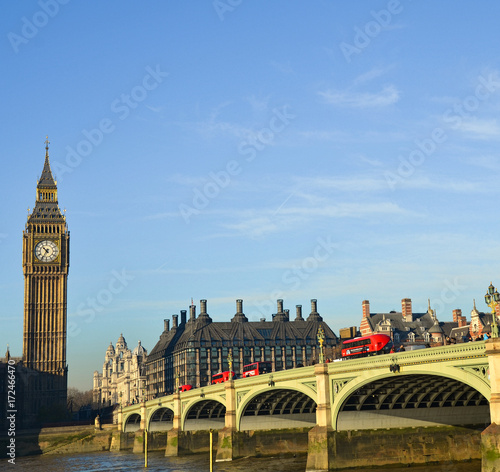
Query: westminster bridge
point(414, 393)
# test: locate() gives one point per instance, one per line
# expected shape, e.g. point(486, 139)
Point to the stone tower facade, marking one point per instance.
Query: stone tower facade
point(45, 266)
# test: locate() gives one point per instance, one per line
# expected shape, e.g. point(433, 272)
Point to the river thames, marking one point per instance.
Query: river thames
point(123, 461)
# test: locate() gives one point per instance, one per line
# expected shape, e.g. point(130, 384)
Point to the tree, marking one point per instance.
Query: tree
point(78, 399)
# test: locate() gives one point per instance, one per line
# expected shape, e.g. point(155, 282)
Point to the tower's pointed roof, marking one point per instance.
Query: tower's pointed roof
point(46, 207)
point(47, 179)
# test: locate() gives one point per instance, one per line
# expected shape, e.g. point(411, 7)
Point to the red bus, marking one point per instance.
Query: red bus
point(257, 368)
point(185, 388)
point(366, 346)
point(222, 377)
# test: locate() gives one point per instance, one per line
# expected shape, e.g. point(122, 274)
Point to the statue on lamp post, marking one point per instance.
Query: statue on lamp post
point(230, 364)
point(321, 340)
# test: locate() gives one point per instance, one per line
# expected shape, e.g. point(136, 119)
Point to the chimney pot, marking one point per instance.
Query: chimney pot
point(175, 321)
point(239, 306)
point(166, 324)
point(299, 313)
point(183, 316)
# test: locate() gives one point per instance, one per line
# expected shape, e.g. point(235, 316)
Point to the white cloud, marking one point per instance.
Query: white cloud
point(480, 128)
point(388, 96)
point(370, 75)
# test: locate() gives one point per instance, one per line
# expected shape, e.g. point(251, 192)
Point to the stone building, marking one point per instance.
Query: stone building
point(123, 378)
point(414, 328)
point(406, 326)
point(193, 350)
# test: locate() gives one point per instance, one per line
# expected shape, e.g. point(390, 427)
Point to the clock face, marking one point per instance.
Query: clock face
point(46, 251)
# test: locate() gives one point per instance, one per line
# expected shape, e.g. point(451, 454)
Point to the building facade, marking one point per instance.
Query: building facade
point(192, 350)
point(123, 377)
point(407, 327)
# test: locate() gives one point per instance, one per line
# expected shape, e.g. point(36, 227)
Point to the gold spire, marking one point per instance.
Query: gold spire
point(47, 142)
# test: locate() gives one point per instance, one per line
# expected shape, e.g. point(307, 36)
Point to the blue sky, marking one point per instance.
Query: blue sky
point(219, 150)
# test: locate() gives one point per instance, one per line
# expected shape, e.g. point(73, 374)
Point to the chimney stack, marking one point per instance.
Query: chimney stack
point(280, 306)
point(175, 321)
point(459, 318)
point(203, 307)
point(287, 315)
point(192, 312)
point(366, 308)
point(299, 313)
point(314, 306)
point(166, 324)
point(406, 310)
point(239, 316)
point(314, 316)
point(183, 316)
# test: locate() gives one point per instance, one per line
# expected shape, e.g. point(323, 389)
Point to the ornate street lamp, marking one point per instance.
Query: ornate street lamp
point(177, 381)
point(230, 364)
point(492, 299)
point(321, 340)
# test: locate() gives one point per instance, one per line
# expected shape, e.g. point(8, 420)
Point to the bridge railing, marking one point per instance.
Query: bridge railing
point(476, 349)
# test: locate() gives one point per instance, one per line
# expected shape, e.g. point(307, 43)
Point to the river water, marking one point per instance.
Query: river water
point(157, 462)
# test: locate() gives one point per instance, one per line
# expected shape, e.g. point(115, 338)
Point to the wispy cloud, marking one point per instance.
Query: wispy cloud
point(257, 223)
point(477, 128)
point(389, 95)
point(370, 75)
point(486, 162)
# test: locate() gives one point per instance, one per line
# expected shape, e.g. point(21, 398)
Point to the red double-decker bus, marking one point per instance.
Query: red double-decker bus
point(222, 377)
point(366, 346)
point(257, 368)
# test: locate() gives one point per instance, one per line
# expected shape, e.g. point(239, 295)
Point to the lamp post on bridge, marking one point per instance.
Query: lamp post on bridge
point(492, 299)
point(321, 340)
point(230, 364)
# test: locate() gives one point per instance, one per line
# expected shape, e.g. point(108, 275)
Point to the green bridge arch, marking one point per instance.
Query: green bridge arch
point(466, 363)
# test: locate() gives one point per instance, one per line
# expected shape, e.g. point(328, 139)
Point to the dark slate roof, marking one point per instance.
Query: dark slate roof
point(46, 179)
point(422, 322)
point(236, 333)
point(459, 332)
point(46, 211)
point(165, 344)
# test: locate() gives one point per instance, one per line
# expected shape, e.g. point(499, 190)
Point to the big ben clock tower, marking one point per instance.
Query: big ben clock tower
point(45, 266)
